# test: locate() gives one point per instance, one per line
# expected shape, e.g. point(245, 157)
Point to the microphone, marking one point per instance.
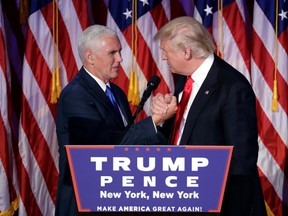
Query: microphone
point(151, 85)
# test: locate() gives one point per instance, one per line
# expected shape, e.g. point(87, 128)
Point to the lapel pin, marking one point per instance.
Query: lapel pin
point(206, 92)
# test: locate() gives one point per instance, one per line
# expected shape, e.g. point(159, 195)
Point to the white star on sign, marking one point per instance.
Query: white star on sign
point(283, 14)
point(208, 10)
point(128, 13)
point(144, 2)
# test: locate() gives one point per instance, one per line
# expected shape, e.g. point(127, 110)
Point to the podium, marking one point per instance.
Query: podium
point(149, 178)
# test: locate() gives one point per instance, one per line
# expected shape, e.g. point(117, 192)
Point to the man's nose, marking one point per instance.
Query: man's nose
point(118, 57)
point(164, 56)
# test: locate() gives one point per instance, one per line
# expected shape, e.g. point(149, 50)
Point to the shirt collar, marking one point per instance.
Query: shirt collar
point(99, 81)
point(200, 74)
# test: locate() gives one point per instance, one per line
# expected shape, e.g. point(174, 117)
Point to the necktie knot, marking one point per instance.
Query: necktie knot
point(188, 84)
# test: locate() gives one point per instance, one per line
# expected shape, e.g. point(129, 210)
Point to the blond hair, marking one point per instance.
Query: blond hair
point(186, 32)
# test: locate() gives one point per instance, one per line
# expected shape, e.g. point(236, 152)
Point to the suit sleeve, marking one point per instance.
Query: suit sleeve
point(141, 133)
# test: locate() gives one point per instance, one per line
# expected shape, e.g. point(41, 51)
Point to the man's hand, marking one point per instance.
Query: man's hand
point(160, 103)
point(163, 107)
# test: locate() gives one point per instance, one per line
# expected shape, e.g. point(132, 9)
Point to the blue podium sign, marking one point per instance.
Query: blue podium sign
point(149, 178)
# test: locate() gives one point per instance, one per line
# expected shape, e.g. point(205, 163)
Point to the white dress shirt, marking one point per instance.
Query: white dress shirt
point(198, 76)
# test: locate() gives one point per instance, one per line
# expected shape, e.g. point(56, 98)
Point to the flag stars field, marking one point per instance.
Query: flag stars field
point(283, 14)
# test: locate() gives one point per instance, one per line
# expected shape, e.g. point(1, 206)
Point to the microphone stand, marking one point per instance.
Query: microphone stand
point(139, 108)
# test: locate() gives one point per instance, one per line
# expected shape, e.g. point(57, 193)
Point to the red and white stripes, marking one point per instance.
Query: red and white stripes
point(37, 136)
point(273, 126)
point(8, 174)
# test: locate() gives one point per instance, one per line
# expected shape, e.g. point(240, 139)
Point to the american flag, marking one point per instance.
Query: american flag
point(249, 47)
point(269, 63)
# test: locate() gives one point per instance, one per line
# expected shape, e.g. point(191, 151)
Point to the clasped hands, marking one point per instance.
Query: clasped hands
point(163, 107)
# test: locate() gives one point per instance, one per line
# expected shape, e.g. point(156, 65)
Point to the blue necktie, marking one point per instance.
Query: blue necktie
point(112, 99)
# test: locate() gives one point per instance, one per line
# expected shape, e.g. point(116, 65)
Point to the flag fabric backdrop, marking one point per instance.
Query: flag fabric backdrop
point(248, 46)
point(227, 23)
point(38, 148)
point(269, 63)
point(8, 173)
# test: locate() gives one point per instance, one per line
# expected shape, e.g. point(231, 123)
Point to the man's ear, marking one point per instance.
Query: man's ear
point(187, 53)
point(89, 56)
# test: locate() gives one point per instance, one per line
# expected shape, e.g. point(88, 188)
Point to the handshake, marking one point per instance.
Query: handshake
point(163, 107)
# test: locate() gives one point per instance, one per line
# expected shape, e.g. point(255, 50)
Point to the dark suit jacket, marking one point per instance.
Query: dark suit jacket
point(85, 115)
point(224, 113)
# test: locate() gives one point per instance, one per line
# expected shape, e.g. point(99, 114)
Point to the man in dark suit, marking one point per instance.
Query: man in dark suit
point(219, 110)
point(87, 115)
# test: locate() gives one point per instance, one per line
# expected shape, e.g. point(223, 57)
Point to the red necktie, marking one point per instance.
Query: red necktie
point(181, 108)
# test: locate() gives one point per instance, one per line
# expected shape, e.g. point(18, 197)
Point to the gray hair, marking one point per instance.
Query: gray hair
point(186, 32)
point(91, 35)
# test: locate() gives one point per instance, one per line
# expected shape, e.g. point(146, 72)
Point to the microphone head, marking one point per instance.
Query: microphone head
point(153, 82)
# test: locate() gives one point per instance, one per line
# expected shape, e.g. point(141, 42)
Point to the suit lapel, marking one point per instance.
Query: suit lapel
point(203, 95)
point(98, 94)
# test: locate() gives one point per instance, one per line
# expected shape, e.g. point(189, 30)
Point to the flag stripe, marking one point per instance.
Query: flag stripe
point(180, 8)
point(271, 198)
point(157, 12)
point(271, 169)
point(283, 40)
point(82, 17)
point(235, 21)
point(3, 54)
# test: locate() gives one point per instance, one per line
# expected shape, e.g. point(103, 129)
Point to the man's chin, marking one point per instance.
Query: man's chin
point(115, 75)
point(172, 70)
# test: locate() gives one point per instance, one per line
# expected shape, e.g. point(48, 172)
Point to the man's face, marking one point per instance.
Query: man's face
point(107, 59)
point(173, 56)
